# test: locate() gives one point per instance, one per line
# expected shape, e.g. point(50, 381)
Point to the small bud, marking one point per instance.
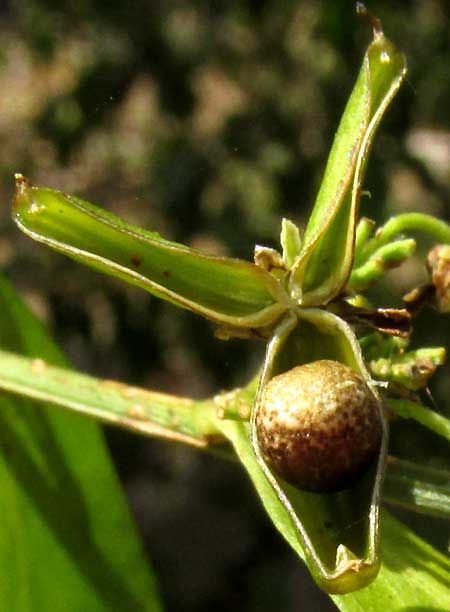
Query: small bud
point(318, 425)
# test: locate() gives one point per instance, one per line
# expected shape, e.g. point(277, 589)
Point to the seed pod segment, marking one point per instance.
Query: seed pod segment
point(333, 515)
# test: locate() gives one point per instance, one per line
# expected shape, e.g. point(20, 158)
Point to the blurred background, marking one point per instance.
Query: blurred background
point(208, 121)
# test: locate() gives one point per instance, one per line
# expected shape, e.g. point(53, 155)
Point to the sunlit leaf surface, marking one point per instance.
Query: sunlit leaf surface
point(67, 540)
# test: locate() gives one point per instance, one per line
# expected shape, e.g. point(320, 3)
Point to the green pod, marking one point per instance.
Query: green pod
point(324, 263)
point(228, 291)
point(338, 531)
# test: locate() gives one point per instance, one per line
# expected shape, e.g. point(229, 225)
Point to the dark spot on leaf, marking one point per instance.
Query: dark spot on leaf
point(167, 273)
point(136, 261)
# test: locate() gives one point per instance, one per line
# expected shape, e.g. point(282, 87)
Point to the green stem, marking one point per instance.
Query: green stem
point(363, 231)
point(410, 410)
point(416, 487)
point(417, 222)
point(382, 259)
point(236, 405)
point(147, 412)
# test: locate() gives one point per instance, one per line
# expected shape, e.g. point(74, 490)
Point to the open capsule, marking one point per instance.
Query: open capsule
point(330, 486)
point(318, 425)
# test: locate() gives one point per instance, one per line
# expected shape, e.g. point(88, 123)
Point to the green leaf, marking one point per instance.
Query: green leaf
point(67, 539)
point(417, 487)
point(338, 532)
point(413, 575)
point(328, 247)
point(226, 290)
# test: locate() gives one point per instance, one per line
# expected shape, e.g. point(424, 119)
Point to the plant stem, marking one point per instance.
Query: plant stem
point(147, 412)
point(363, 231)
point(382, 259)
point(410, 410)
point(417, 222)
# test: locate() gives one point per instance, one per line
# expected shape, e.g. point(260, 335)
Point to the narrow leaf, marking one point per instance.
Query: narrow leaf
point(67, 540)
point(226, 290)
point(417, 487)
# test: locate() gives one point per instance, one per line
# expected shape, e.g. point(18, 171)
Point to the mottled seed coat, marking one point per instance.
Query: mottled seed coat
point(318, 425)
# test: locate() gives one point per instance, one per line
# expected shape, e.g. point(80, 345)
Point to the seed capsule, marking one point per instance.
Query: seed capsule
point(318, 425)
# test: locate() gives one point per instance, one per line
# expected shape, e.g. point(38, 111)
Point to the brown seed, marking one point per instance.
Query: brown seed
point(318, 425)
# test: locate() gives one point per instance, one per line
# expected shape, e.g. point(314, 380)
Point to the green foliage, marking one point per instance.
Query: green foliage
point(67, 539)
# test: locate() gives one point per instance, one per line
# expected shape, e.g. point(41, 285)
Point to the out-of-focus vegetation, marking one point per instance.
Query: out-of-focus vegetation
point(207, 121)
